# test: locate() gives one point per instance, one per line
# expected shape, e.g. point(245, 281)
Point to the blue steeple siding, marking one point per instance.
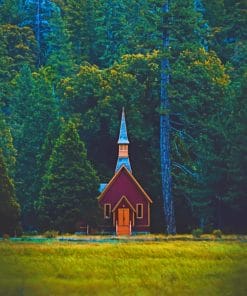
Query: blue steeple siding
point(123, 140)
point(123, 161)
point(123, 137)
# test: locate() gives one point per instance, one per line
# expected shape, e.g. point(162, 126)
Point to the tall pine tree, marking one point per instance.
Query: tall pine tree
point(165, 157)
point(33, 109)
point(70, 185)
point(9, 207)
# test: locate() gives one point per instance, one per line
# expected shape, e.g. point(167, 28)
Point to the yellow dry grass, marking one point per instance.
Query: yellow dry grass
point(133, 268)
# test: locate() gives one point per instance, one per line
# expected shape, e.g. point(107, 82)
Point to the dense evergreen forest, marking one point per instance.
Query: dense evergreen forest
point(66, 69)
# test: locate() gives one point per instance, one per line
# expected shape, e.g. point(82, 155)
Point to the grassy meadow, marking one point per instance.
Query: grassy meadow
point(130, 268)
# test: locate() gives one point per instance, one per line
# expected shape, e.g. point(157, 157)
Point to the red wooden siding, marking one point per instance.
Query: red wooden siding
point(124, 185)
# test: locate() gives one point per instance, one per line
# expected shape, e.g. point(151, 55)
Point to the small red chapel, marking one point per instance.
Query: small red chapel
point(126, 206)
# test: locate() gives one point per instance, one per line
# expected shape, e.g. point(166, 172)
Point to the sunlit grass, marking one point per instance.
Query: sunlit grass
point(144, 268)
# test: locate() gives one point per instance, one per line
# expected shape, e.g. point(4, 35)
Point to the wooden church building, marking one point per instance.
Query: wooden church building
point(125, 204)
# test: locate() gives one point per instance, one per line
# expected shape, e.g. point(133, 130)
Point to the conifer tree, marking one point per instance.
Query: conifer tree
point(17, 47)
point(33, 109)
point(80, 21)
point(70, 185)
point(9, 207)
point(59, 48)
point(187, 27)
point(37, 16)
point(6, 144)
point(207, 110)
point(11, 12)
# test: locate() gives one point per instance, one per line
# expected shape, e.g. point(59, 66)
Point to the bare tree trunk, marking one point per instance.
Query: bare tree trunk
point(37, 29)
point(165, 134)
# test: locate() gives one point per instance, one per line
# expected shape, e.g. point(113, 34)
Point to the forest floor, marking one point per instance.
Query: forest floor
point(124, 268)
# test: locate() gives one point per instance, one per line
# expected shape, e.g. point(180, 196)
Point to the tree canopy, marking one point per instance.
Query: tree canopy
point(70, 186)
point(9, 207)
point(70, 66)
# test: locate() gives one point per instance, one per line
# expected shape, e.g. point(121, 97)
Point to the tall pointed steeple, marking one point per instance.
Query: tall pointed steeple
point(123, 137)
point(123, 142)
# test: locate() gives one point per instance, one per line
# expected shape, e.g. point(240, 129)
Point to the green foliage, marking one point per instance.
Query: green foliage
point(33, 108)
point(123, 38)
point(37, 16)
point(11, 12)
point(228, 22)
point(70, 185)
point(199, 95)
point(6, 144)
point(197, 232)
point(187, 27)
point(235, 157)
point(125, 27)
point(17, 46)
point(59, 53)
point(79, 16)
point(97, 97)
point(97, 94)
point(9, 208)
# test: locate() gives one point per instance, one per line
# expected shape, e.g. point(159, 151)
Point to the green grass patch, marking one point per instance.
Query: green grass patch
point(134, 268)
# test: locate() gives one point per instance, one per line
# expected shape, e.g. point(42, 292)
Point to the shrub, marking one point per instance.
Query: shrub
point(197, 232)
point(31, 233)
point(6, 236)
point(50, 234)
point(217, 233)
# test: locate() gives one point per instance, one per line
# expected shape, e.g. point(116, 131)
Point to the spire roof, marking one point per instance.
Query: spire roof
point(123, 137)
point(123, 162)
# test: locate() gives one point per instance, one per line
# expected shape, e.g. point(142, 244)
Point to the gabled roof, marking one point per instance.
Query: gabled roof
point(117, 204)
point(131, 176)
point(123, 137)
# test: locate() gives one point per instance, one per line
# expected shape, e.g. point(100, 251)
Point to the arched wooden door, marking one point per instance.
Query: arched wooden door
point(123, 225)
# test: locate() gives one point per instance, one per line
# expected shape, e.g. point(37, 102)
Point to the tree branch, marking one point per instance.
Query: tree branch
point(185, 170)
